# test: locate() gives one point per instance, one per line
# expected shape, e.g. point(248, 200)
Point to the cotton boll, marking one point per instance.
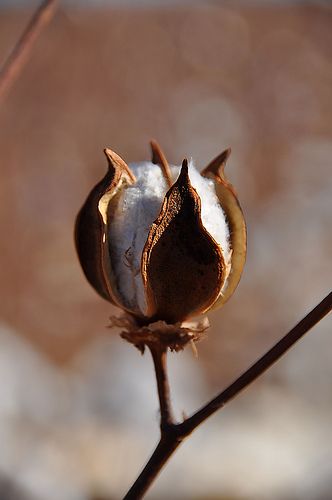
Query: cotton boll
point(162, 243)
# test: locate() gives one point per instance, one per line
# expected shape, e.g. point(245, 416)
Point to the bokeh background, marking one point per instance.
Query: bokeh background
point(78, 406)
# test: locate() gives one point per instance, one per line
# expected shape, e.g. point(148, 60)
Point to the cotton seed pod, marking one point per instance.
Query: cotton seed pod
point(162, 242)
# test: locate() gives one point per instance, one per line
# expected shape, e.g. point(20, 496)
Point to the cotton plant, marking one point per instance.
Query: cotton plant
point(166, 244)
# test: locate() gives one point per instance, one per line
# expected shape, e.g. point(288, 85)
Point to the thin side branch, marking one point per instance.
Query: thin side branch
point(20, 53)
point(174, 434)
point(265, 362)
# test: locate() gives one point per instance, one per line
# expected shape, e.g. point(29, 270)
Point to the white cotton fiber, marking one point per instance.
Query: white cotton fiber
point(137, 208)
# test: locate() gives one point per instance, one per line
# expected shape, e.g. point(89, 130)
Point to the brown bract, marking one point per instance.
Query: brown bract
point(158, 158)
point(183, 267)
point(92, 229)
point(237, 226)
point(175, 336)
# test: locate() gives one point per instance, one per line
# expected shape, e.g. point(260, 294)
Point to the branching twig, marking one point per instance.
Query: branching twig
point(20, 53)
point(174, 433)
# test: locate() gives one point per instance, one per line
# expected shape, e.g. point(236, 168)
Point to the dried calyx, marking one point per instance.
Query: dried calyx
point(164, 243)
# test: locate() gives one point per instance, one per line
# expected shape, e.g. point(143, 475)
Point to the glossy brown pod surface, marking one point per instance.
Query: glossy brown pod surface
point(92, 228)
point(237, 226)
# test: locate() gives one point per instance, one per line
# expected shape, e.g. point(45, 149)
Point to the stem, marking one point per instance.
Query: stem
point(20, 53)
point(159, 356)
point(173, 434)
point(169, 439)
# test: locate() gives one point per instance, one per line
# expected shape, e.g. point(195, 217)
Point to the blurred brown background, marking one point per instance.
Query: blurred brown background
point(78, 406)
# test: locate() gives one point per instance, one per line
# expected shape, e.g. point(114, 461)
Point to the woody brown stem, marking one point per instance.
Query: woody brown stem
point(169, 440)
point(159, 356)
point(20, 53)
point(174, 434)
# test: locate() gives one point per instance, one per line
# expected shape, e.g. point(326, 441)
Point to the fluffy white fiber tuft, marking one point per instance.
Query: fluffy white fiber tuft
point(137, 208)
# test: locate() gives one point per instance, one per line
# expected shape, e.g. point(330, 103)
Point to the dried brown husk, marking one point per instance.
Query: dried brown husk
point(237, 226)
point(183, 267)
point(173, 336)
point(93, 226)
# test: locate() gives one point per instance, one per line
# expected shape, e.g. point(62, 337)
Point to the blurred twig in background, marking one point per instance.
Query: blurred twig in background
point(173, 434)
point(20, 53)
